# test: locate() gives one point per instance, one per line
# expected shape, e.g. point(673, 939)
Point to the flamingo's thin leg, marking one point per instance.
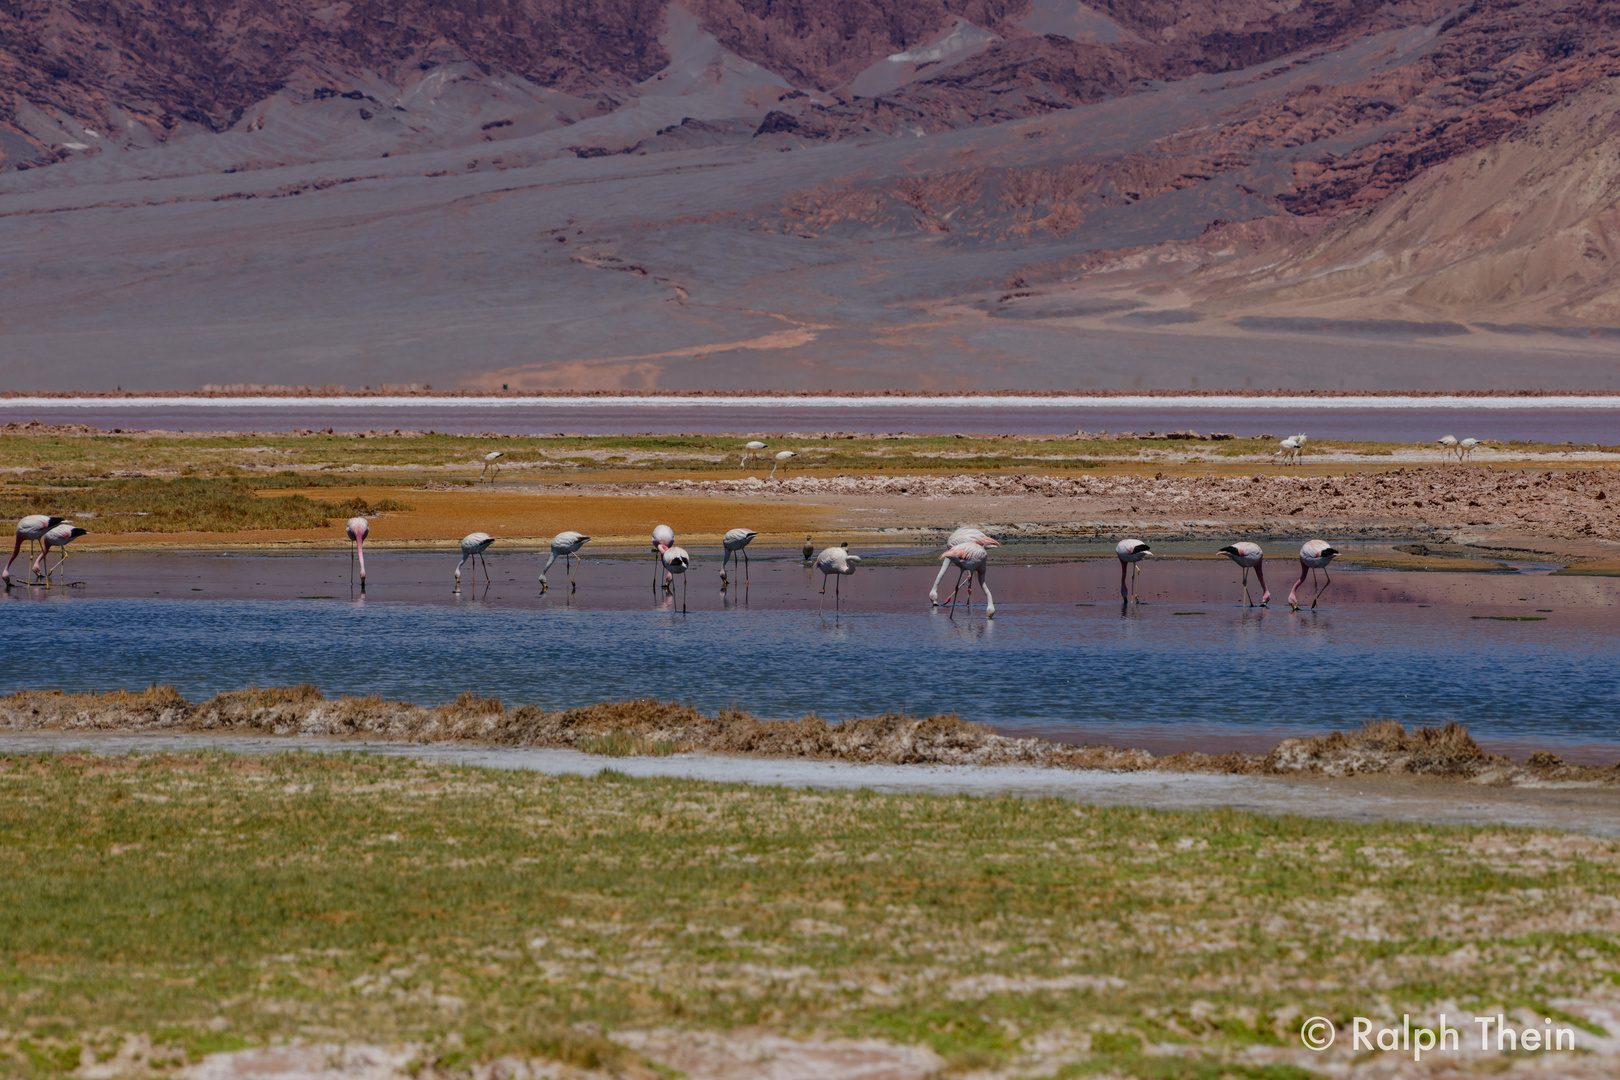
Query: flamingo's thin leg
point(1328, 581)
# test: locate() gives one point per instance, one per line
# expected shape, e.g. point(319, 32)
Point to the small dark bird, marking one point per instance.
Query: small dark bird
point(809, 550)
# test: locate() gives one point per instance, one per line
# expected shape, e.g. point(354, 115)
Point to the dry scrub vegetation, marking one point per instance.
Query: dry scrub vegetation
point(157, 908)
point(651, 727)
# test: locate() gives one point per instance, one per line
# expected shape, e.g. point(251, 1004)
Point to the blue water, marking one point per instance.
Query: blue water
point(1059, 657)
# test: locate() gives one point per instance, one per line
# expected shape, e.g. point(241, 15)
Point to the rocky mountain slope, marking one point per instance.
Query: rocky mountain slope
point(810, 184)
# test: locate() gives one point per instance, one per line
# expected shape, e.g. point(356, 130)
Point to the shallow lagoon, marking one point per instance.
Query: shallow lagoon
point(1520, 657)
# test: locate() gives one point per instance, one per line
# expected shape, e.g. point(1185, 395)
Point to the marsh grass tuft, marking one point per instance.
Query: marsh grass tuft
point(626, 744)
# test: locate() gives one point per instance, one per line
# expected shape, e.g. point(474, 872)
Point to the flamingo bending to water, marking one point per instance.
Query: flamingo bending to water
point(1289, 450)
point(30, 528)
point(1466, 448)
point(1129, 553)
point(1249, 556)
point(751, 449)
point(61, 536)
point(782, 458)
point(565, 545)
point(736, 543)
point(663, 538)
point(970, 558)
point(491, 466)
point(1313, 556)
point(835, 560)
point(473, 546)
point(1448, 444)
point(358, 529)
point(676, 560)
point(964, 534)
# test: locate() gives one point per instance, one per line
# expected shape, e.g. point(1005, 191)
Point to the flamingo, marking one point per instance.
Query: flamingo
point(676, 560)
point(1313, 556)
point(809, 549)
point(835, 560)
point(736, 542)
point(565, 545)
point(1248, 555)
point(663, 537)
point(30, 528)
point(358, 529)
point(473, 546)
point(61, 536)
point(1289, 449)
point(751, 449)
point(1466, 448)
point(970, 558)
point(1130, 552)
point(965, 534)
point(490, 462)
point(782, 458)
point(1448, 444)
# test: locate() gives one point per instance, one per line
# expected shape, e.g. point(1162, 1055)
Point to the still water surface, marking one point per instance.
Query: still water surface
point(1060, 658)
point(1411, 420)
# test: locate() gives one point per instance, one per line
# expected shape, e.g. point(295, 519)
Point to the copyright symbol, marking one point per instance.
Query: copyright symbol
point(1317, 1033)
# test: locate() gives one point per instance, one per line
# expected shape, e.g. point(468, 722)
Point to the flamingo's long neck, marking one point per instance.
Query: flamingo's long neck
point(1260, 576)
point(933, 594)
point(14, 550)
point(360, 552)
point(1124, 569)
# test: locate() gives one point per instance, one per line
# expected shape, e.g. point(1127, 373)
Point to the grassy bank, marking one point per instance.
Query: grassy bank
point(208, 902)
point(177, 483)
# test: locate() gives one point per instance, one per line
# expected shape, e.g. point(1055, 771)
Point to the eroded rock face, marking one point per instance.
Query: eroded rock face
point(108, 63)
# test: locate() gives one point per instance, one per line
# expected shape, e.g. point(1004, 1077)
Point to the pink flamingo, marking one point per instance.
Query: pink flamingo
point(1313, 556)
point(61, 536)
point(965, 534)
point(473, 546)
point(663, 540)
point(736, 543)
point(565, 545)
point(835, 560)
point(676, 560)
point(970, 558)
point(1130, 552)
point(1248, 555)
point(31, 528)
point(358, 529)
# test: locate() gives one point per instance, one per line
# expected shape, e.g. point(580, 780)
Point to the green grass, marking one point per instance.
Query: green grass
point(220, 503)
point(208, 901)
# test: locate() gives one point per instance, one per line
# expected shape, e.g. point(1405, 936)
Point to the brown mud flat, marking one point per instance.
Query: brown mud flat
point(1381, 748)
point(1569, 506)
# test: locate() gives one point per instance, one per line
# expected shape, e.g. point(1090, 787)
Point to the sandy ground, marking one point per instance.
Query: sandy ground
point(1362, 798)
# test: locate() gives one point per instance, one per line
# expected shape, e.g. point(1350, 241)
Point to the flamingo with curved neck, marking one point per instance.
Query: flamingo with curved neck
point(1313, 556)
